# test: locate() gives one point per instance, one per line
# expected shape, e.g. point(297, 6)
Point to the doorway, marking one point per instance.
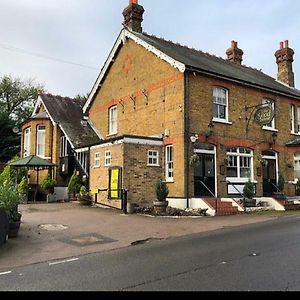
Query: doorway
point(269, 173)
point(204, 175)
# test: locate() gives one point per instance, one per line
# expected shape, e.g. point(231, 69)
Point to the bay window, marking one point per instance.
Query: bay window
point(40, 140)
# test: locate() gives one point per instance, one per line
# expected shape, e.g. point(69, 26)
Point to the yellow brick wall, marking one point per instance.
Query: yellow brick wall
point(136, 69)
point(201, 95)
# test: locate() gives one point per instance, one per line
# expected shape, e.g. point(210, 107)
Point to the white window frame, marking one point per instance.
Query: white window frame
point(27, 141)
point(113, 120)
point(296, 164)
point(97, 160)
point(215, 102)
point(238, 154)
point(107, 158)
point(273, 122)
point(169, 163)
point(153, 158)
point(38, 142)
point(63, 152)
point(298, 120)
point(293, 114)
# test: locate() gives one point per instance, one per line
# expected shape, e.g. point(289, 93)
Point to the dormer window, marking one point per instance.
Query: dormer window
point(220, 104)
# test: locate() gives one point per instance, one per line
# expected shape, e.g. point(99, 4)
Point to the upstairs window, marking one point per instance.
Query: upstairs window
point(113, 121)
point(27, 134)
point(65, 148)
point(293, 112)
point(298, 120)
point(40, 141)
point(220, 104)
point(270, 103)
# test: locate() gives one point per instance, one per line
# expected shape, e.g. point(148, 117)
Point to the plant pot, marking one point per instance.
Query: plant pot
point(86, 201)
point(250, 202)
point(13, 229)
point(160, 206)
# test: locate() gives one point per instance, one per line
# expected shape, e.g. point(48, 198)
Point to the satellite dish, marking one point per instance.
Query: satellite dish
point(15, 129)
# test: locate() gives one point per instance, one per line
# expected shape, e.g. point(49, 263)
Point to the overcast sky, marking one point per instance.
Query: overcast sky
point(63, 44)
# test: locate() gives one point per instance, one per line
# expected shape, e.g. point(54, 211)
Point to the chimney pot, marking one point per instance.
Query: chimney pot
point(281, 45)
point(286, 43)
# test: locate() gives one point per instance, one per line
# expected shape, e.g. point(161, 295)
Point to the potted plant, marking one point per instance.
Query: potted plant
point(74, 185)
point(48, 184)
point(84, 198)
point(249, 192)
point(10, 199)
point(162, 192)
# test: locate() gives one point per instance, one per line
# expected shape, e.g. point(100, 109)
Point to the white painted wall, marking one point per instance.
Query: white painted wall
point(61, 193)
point(273, 204)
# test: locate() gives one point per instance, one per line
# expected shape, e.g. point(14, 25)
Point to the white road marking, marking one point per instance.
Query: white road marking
point(63, 261)
point(5, 273)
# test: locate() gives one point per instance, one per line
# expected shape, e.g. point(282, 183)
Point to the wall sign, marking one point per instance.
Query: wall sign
point(264, 115)
point(114, 183)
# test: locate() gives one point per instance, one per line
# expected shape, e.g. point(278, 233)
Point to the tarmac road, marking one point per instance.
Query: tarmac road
point(65, 230)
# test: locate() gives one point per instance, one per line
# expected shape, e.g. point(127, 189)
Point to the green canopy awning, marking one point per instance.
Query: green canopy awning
point(32, 162)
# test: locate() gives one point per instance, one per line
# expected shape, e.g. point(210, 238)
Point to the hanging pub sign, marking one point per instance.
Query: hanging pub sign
point(264, 115)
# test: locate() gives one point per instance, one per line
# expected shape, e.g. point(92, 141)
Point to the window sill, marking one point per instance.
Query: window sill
point(96, 167)
point(234, 180)
point(269, 129)
point(222, 121)
point(295, 133)
point(153, 166)
point(170, 181)
point(111, 135)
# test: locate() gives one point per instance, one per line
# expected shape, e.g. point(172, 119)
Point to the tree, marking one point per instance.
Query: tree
point(18, 97)
point(9, 140)
point(82, 98)
point(17, 100)
point(74, 184)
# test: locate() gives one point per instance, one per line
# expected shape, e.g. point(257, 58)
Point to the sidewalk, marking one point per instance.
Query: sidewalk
point(63, 230)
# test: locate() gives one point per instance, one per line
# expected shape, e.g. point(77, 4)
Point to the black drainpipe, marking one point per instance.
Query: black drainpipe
point(186, 137)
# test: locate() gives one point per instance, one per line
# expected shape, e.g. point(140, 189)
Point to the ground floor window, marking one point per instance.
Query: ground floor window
point(297, 165)
point(169, 163)
point(239, 163)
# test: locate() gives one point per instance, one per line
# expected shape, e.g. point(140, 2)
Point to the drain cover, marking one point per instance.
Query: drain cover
point(53, 227)
point(88, 240)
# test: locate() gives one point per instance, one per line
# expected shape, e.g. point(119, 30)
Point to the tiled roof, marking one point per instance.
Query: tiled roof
point(67, 112)
point(217, 66)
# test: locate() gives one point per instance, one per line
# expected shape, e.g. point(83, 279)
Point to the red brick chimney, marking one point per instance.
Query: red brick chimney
point(234, 54)
point(133, 16)
point(284, 58)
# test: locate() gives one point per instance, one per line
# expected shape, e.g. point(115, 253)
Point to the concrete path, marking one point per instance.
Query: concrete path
point(67, 230)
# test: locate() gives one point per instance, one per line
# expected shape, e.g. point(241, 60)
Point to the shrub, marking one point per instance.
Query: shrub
point(162, 190)
point(23, 187)
point(74, 183)
point(11, 174)
point(249, 190)
point(48, 184)
point(83, 191)
point(9, 200)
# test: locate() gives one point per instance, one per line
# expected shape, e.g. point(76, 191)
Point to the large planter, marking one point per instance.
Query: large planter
point(160, 207)
point(13, 229)
point(250, 202)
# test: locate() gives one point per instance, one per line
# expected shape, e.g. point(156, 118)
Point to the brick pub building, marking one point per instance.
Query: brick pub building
point(163, 110)
point(157, 104)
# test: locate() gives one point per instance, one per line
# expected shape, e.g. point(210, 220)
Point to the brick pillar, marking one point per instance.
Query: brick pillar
point(284, 59)
point(234, 54)
point(133, 16)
